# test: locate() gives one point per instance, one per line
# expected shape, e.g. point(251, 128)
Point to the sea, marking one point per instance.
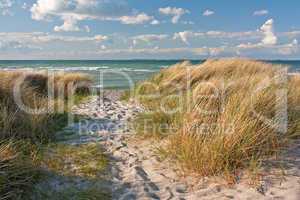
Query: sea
point(117, 74)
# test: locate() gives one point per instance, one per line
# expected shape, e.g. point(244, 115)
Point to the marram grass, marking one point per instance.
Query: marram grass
point(19, 161)
point(18, 169)
point(218, 113)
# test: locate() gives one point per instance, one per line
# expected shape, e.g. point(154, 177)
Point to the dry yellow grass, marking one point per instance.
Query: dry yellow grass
point(17, 170)
point(78, 83)
point(33, 90)
point(225, 115)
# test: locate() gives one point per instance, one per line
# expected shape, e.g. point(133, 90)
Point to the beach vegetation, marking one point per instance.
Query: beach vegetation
point(222, 116)
point(30, 116)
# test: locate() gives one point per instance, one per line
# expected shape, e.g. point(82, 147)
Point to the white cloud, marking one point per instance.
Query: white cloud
point(40, 37)
point(25, 6)
point(260, 12)
point(171, 52)
point(70, 24)
point(232, 35)
point(185, 35)
point(259, 49)
point(289, 49)
point(87, 29)
point(138, 19)
point(78, 10)
point(155, 22)
point(16, 46)
point(148, 38)
point(5, 6)
point(175, 12)
point(291, 34)
point(269, 37)
point(268, 30)
point(100, 38)
point(208, 12)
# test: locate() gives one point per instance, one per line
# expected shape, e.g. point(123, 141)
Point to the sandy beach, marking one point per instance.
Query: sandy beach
point(149, 100)
point(137, 172)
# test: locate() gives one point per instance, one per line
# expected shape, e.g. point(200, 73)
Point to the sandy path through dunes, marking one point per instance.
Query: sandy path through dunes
point(137, 173)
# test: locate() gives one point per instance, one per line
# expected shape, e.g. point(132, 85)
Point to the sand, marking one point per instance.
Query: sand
point(137, 172)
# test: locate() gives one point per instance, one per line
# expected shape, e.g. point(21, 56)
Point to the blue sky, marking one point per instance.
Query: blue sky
point(147, 29)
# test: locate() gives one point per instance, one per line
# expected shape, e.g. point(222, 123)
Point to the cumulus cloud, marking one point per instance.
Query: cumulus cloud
point(5, 6)
point(269, 38)
point(268, 30)
point(70, 24)
point(177, 13)
point(260, 12)
point(77, 10)
point(208, 12)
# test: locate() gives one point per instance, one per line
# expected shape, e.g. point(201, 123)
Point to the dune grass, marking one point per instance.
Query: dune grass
point(18, 169)
point(221, 116)
point(18, 160)
point(33, 91)
point(70, 163)
point(92, 193)
point(86, 161)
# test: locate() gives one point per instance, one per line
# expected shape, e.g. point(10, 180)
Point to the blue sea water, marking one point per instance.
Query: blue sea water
point(115, 73)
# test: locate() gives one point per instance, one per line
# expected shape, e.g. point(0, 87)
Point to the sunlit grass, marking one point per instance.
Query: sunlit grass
point(211, 111)
point(19, 161)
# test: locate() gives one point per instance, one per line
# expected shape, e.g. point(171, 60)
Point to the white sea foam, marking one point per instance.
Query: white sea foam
point(164, 66)
point(98, 86)
point(135, 70)
point(294, 74)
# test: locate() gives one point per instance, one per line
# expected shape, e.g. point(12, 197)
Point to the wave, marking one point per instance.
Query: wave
point(164, 66)
point(81, 68)
point(136, 70)
point(294, 73)
point(97, 86)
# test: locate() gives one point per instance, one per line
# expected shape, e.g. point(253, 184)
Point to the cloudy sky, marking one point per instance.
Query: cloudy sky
point(151, 29)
